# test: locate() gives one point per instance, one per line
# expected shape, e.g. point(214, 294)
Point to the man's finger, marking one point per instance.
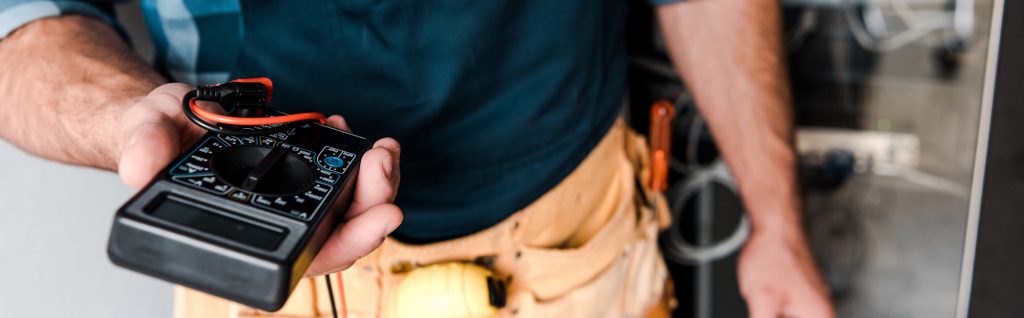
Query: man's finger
point(339, 122)
point(764, 305)
point(356, 238)
point(167, 100)
point(377, 181)
point(147, 149)
point(395, 149)
point(809, 306)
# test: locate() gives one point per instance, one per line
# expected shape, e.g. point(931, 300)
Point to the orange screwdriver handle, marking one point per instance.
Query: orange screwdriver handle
point(662, 113)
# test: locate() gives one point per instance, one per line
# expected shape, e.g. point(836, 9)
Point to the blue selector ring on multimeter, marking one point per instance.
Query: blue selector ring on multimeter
point(334, 162)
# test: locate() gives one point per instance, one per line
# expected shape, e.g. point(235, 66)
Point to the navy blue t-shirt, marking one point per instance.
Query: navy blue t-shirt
point(493, 101)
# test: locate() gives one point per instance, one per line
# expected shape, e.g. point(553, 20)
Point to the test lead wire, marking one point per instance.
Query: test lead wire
point(246, 100)
point(341, 294)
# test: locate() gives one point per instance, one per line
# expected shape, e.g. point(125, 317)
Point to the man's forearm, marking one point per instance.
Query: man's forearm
point(65, 83)
point(729, 53)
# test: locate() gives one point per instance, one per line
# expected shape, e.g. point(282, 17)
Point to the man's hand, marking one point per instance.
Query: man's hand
point(778, 277)
point(372, 215)
point(154, 131)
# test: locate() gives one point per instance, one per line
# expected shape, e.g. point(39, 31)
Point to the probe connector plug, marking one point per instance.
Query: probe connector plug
point(238, 98)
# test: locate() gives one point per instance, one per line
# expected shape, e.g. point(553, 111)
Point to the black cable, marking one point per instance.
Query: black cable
point(231, 129)
point(330, 295)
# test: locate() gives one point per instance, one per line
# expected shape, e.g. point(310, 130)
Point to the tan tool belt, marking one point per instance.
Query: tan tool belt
point(587, 248)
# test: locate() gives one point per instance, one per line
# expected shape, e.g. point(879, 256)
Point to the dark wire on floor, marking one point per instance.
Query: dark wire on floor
point(330, 295)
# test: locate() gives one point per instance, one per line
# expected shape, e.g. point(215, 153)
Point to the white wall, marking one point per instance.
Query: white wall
point(54, 223)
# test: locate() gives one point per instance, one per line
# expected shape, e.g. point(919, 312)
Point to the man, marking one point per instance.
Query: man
point(506, 111)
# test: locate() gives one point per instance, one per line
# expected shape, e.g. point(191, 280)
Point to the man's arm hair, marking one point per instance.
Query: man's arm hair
point(729, 53)
point(64, 84)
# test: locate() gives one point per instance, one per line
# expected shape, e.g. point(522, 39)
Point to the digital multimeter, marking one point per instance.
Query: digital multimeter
point(241, 216)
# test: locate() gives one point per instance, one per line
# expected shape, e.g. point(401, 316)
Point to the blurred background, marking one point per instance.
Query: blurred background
point(53, 233)
point(888, 97)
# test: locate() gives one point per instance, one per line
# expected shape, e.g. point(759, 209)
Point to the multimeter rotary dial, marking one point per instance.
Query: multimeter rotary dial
point(263, 170)
point(243, 212)
point(267, 172)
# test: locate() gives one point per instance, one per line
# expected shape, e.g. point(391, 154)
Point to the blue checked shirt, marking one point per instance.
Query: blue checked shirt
point(184, 22)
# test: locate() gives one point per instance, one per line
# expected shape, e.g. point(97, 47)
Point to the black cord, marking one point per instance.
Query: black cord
point(330, 295)
point(230, 129)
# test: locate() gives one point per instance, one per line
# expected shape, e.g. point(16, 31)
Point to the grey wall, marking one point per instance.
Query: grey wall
point(54, 222)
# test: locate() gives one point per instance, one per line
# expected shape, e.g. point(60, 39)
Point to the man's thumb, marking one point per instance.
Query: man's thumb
point(146, 150)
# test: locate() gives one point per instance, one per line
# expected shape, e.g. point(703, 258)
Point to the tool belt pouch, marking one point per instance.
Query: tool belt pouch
point(620, 265)
point(617, 271)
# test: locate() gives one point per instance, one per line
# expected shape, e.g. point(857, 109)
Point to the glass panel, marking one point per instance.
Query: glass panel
point(888, 98)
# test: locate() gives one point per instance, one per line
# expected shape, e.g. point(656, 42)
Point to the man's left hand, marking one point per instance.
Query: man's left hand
point(778, 277)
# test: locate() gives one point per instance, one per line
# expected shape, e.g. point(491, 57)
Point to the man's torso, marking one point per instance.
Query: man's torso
point(494, 102)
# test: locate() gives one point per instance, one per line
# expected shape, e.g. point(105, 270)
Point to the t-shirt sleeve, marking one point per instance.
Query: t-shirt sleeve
point(16, 13)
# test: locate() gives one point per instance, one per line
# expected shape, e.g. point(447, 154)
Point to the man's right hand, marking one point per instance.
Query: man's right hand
point(153, 132)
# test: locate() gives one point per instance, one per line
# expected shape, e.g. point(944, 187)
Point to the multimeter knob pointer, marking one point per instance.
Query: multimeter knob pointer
point(263, 170)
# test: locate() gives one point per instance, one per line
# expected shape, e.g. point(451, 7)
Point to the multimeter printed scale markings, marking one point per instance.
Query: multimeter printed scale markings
point(206, 182)
point(264, 171)
point(300, 205)
point(198, 162)
point(239, 140)
point(335, 159)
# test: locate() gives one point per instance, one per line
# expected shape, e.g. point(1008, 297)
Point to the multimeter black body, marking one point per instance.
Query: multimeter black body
point(240, 217)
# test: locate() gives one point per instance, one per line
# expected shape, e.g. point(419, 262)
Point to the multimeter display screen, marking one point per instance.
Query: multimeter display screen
point(195, 217)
